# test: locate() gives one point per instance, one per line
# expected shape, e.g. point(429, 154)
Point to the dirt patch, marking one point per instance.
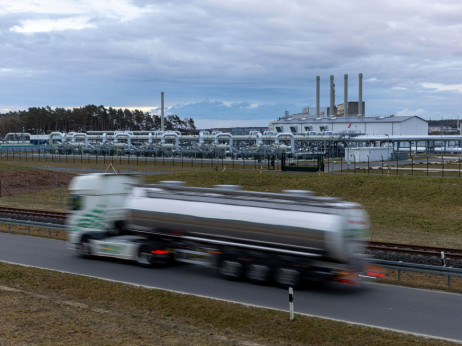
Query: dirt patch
point(16, 182)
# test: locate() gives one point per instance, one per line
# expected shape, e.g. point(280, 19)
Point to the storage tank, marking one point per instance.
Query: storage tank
point(285, 223)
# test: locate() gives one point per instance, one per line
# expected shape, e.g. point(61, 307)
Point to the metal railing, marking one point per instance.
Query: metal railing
point(421, 268)
point(30, 224)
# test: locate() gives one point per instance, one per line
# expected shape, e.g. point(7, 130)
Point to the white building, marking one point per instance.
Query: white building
point(389, 125)
point(365, 154)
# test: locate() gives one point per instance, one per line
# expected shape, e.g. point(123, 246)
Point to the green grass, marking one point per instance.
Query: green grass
point(435, 202)
point(46, 307)
point(82, 310)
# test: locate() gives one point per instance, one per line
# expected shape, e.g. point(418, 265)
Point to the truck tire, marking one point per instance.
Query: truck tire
point(144, 256)
point(258, 273)
point(231, 270)
point(287, 277)
point(84, 249)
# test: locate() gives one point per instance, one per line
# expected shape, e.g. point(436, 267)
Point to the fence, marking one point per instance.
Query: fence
point(429, 166)
point(132, 161)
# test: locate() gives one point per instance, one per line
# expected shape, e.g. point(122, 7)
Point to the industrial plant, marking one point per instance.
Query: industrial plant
point(338, 131)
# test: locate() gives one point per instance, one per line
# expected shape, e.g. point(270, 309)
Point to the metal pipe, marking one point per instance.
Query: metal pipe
point(84, 135)
point(52, 135)
point(286, 134)
point(360, 95)
point(230, 138)
point(345, 95)
point(129, 137)
point(317, 94)
point(171, 134)
point(332, 96)
point(162, 111)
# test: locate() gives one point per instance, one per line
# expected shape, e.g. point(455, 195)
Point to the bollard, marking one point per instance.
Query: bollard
point(291, 303)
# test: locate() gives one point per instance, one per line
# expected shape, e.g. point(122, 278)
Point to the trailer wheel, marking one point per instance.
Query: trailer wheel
point(84, 248)
point(258, 273)
point(287, 277)
point(144, 256)
point(231, 270)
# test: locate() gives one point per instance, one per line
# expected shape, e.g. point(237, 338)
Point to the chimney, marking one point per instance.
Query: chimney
point(162, 111)
point(345, 95)
point(360, 96)
point(317, 95)
point(332, 96)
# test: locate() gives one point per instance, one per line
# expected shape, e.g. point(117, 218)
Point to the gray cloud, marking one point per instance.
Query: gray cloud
point(123, 53)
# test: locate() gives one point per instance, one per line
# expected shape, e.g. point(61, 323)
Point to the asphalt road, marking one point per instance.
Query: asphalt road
point(409, 310)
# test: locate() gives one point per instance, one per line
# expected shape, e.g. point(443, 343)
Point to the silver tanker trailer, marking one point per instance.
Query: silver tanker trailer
point(286, 237)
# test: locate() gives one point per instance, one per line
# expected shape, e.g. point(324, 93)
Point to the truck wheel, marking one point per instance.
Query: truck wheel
point(231, 270)
point(258, 273)
point(84, 248)
point(144, 256)
point(287, 277)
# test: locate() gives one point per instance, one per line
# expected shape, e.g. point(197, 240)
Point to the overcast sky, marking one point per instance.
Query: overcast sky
point(233, 62)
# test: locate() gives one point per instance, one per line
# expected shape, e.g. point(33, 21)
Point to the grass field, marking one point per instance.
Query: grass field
point(406, 209)
point(46, 307)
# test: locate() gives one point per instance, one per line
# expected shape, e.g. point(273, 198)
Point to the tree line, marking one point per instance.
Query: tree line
point(44, 120)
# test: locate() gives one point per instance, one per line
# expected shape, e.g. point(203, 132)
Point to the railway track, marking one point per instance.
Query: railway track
point(33, 215)
point(415, 250)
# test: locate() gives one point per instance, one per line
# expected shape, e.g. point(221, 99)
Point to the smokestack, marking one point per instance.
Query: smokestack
point(360, 96)
point(332, 95)
point(162, 111)
point(345, 95)
point(317, 95)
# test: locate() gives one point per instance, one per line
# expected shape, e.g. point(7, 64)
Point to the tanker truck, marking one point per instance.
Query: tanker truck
point(285, 237)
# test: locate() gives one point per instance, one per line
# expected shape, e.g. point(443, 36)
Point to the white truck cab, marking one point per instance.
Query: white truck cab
point(97, 206)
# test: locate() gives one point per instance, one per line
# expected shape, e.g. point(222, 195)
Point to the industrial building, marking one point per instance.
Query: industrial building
point(389, 125)
point(347, 118)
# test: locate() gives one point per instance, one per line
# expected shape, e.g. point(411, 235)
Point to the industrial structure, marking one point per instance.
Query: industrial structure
point(340, 130)
point(353, 126)
point(347, 118)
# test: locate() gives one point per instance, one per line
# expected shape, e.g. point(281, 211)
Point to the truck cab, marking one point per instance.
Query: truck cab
point(97, 206)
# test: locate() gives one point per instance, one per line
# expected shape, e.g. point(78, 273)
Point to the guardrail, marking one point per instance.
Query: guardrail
point(30, 224)
point(421, 268)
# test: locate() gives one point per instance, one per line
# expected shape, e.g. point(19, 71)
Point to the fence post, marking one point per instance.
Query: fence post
point(427, 165)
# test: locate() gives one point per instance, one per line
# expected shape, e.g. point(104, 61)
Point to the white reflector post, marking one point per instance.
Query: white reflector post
point(291, 303)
